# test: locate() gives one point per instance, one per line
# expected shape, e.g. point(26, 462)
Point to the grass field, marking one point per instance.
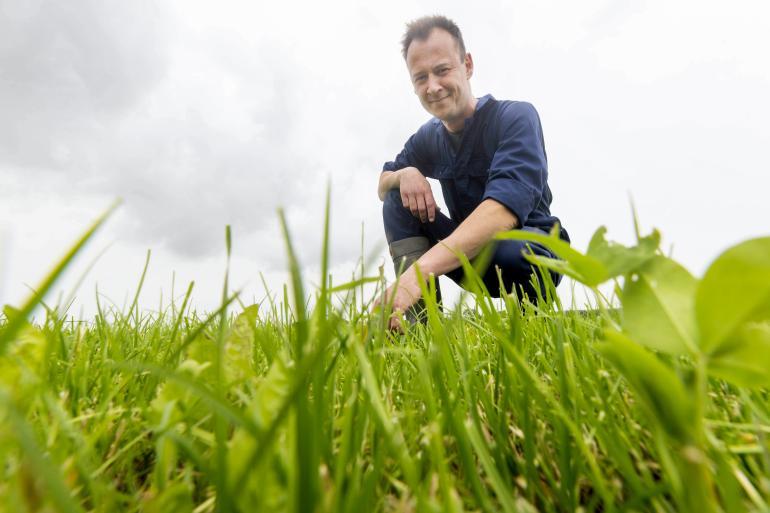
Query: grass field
point(311, 405)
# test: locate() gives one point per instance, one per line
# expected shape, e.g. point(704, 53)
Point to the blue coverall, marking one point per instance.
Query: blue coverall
point(501, 156)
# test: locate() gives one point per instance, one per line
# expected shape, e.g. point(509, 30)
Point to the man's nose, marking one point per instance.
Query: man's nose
point(433, 85)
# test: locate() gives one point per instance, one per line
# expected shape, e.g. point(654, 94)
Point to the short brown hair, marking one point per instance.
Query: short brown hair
point(421, 28)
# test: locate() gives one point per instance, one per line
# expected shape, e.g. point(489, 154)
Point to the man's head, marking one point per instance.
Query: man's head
point(421, 28)
point(440, 69)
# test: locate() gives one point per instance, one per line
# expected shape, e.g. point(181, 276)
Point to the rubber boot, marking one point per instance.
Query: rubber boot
point(405, 252)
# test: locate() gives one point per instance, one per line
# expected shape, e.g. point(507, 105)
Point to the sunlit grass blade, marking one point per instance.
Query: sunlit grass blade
point(298, 289)
point(134, 308)
point(15, 323)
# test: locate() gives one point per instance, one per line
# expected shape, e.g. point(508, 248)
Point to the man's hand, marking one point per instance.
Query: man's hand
point(405, 295)
point(416, 194)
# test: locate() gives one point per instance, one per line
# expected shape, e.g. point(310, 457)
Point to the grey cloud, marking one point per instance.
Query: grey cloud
point(193, 131)
point(196, 129)
point(69, 68)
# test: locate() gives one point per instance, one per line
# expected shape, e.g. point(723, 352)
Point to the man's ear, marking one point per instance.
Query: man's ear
point(468, 65)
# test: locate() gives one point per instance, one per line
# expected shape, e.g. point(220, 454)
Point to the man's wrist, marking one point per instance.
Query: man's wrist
point(391, 180)
point(401, 172)
point(397, 177)
point(426, 264)
point(411, 280)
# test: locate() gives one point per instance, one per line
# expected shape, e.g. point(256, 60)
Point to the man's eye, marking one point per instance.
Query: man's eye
point(442, 71)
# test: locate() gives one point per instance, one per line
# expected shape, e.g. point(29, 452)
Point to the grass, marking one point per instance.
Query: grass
point(290, 407)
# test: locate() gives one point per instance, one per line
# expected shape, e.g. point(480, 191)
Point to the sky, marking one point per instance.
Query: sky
point(199, 115)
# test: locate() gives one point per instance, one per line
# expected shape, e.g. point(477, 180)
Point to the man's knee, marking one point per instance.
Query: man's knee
point(517, 272)
point(510, 255)
point(392, 201)
point(398, 220)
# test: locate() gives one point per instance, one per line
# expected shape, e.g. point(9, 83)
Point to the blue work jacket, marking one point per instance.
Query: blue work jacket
point(501, 156)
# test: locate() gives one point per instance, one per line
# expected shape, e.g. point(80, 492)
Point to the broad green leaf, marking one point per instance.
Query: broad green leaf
point(241, 334)
point(584, 269)
point(734, 291)
point(659, 306)
point(556, 265)
point(238, 348)
point(203, 350)
point(658, 388)
point(163, 411)
point(553, 264)
point(239, 345)
point(603, 260)
point(744, 359)
point(249, 315)
point(271, 393)
point(618, 259)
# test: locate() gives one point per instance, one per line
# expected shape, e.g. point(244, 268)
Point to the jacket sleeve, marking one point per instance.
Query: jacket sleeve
point(414, 154)
point(519, 168)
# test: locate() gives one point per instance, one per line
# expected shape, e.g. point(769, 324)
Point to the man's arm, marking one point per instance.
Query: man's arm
point(518, 172)
point(489, 218)
point(408, 173)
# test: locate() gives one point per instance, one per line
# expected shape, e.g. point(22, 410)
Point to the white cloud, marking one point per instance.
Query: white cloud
point(201, 116)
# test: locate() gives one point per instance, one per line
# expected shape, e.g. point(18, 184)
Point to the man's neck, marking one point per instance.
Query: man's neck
point(457, 126)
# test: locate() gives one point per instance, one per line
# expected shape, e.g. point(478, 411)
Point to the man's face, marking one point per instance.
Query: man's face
point(441, 78)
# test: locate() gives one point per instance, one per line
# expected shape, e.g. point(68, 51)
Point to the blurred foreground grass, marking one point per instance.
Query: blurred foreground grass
point(283, 407)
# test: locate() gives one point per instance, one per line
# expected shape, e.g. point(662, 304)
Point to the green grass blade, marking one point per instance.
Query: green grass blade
point(15, 324)
point(297, 289)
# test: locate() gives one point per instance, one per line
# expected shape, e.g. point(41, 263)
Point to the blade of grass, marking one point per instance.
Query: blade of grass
point(15, 324)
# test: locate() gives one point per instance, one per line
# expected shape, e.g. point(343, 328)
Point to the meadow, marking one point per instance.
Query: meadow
point(653, 399)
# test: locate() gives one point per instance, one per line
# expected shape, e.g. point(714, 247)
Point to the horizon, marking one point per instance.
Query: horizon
point(202, 116)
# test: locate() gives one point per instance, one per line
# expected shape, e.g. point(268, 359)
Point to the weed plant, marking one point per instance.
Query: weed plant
point(505, 406)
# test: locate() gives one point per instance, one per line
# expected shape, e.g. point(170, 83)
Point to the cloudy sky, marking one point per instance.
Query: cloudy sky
point(202, 114)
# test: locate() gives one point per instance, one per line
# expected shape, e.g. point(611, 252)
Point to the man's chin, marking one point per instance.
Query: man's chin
point(438, 111)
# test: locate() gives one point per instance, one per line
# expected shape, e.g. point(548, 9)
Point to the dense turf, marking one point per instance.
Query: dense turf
point(276, 408)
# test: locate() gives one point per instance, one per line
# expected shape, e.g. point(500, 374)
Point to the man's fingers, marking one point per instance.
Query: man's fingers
point(413, 205)
point(430, 206)
point(395, 324)
point(423, 210)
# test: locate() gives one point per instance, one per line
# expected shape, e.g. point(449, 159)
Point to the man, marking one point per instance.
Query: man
point(489, 157)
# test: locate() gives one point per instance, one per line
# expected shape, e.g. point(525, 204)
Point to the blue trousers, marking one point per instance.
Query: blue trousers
point(508, 256)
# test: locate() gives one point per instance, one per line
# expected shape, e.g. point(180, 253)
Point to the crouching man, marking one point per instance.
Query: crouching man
point(489, 157)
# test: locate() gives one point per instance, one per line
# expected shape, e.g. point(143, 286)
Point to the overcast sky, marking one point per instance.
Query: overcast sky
point(202, 114)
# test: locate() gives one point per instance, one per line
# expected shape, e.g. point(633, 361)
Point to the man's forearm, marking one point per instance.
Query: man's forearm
point(489, 218)
point(388, 180)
